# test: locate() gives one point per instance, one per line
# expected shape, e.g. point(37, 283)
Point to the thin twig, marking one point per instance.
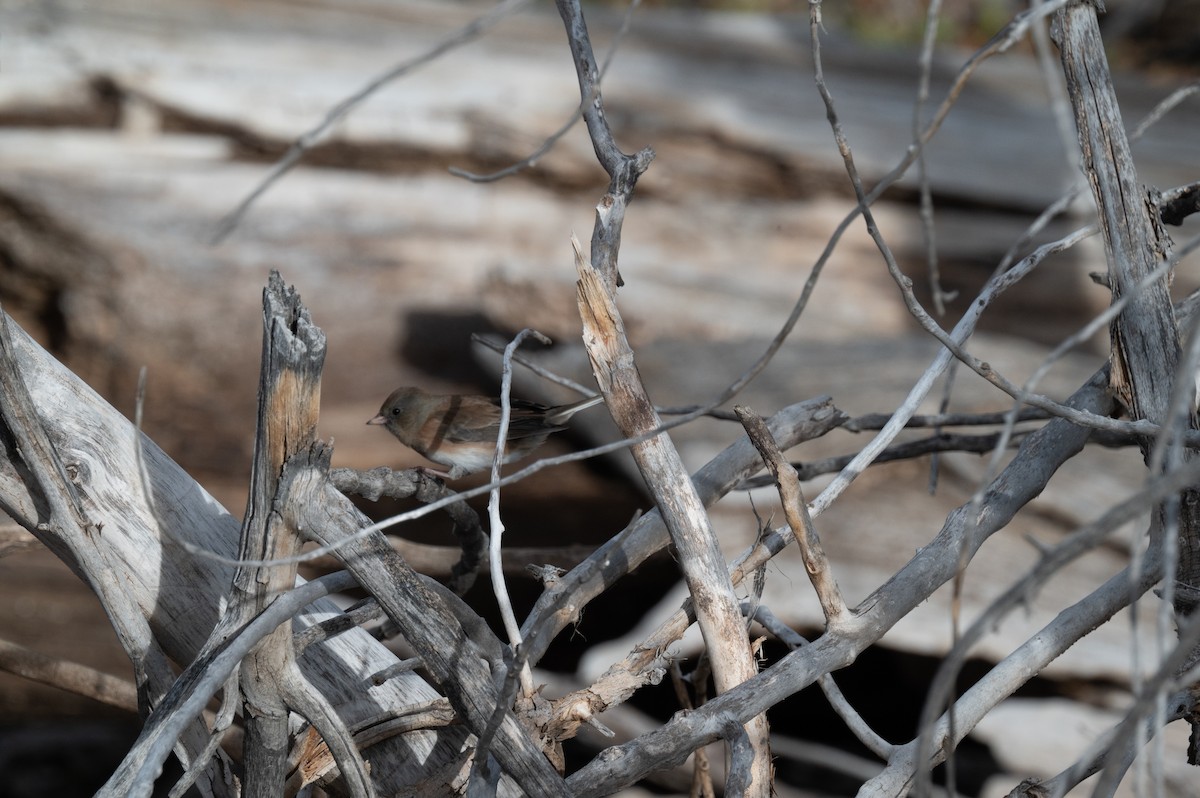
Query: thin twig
point(499, 585)
point(69, 676)
point(702, 784)
point(876, 421)
point(485, 772)
point(943, 442)
point(837, 700)
point(467, 33)
point(362, 612)
point(925, 209)
point(795, 509)
point(557, 135)
point(543, 372)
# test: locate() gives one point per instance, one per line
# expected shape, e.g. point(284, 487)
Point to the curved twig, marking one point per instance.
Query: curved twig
point(305, 142)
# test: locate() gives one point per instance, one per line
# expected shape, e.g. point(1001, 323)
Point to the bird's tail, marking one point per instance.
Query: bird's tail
point(563, 413)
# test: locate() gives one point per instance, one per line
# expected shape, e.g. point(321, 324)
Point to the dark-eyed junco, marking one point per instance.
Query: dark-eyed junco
point(460, 431)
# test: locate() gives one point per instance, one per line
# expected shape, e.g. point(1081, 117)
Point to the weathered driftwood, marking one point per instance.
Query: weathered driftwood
point(457, 657)
point(134, 555)
point(271, 685)
point(1146, 373)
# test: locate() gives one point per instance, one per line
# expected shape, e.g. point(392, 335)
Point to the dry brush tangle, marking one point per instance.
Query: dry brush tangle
point(206, 606)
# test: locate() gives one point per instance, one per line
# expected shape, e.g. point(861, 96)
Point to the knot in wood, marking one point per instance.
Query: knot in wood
point(78, 472)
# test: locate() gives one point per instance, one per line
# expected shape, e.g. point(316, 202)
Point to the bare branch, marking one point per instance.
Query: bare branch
point(683, 513)
point(942, 442)
point(1179, 204)
point(362, 612)
point(70, 676)
point(200, 681)
point(795, 508)
point(499, 585)
point(306, 141)
point(563, 603)
point(925, 62)
point(623, 170)
point(854, 721)
point(557, 135)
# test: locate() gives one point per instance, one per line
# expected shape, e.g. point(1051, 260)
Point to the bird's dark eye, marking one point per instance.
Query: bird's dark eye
point(395, 411)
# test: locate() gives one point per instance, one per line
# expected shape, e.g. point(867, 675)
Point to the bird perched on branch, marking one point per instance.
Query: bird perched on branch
point(460, 431)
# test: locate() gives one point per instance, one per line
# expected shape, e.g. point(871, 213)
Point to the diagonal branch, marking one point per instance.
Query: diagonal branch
point(662, 469)
point(307, 140)
point(456, 657)
point(564, 602)
point(795, 508)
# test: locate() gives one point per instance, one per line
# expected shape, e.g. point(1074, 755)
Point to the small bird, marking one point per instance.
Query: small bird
point(460, 431)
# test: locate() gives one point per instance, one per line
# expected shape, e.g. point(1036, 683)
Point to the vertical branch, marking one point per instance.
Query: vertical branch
point(612, 361)
point(704, 570)
point(1145, 341)
point(623, 170)
point(288, 404)
point(495, 561)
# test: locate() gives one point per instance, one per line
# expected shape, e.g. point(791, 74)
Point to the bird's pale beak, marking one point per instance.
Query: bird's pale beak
point(379, 419)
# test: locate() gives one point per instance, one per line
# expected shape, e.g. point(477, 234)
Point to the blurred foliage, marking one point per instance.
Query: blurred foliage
point(1140, 33)
point(903, 21)
point(888, 22)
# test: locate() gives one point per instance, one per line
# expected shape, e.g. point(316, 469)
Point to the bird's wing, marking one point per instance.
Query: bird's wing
point(526, 419)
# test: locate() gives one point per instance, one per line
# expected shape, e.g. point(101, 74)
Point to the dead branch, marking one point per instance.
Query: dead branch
point(1145, 342)
point(942, 442)
point(457, 661)
point(795, 508)
point(682, 511)
point(70, 676)
point(305, 142)
point(272, 684)
point(416, 483)
point(623, 170)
